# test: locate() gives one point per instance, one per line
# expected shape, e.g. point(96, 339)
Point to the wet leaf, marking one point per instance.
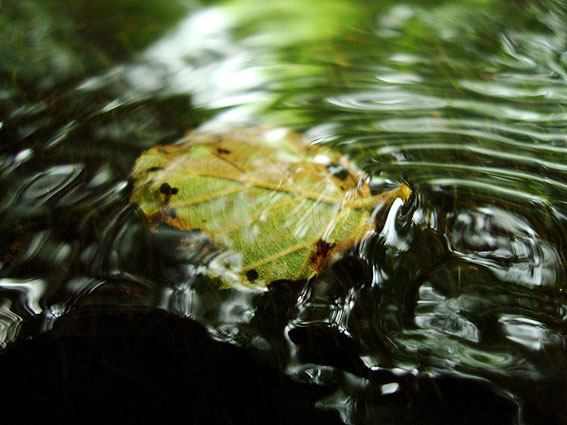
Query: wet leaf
point(276, 207)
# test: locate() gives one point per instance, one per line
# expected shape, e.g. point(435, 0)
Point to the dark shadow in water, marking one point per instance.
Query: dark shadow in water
point(132, 366)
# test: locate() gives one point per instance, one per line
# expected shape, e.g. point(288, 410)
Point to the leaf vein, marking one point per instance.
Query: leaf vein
point(210, 197)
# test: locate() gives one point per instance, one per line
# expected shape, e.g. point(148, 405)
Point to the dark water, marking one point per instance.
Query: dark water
point(455, 312)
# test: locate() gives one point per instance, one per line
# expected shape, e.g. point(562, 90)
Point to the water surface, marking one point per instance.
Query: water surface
point(453, 312)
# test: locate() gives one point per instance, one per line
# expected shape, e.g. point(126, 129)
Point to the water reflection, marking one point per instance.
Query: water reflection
point(42, 188)
point(388, 99)
point(506, 244)
point(29, 291)
point(10, 323)
point(529, 332)
point(198, 57)
point(433, 311)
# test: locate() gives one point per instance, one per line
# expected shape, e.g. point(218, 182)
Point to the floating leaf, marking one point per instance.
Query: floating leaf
point(276, 207)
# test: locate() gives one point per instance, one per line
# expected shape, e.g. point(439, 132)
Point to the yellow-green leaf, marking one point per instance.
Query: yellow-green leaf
point(275, 207)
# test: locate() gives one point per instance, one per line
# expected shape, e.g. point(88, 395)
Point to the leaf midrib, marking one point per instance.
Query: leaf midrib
point(358, 203)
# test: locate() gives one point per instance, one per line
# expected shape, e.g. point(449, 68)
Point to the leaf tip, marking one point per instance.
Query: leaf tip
point(404, 192)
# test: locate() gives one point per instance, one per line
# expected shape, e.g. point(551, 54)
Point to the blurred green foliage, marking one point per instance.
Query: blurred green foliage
point(45, 43)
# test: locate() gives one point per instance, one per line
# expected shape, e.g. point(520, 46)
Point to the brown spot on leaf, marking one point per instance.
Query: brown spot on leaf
point(337, 170)
point(165, 189)
point(320, 257)
point(168, 191)
point(252, 275)
point(223, 151)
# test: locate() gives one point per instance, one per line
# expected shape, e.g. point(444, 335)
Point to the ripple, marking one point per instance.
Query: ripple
point(505, 243)
point(30, 292)
point(508, 112)
point(492, 153)
point(446, 354)
point(529, 332)
point(445, 315)
point(493, 188)
point(480, 128)
point(388, 99)
point(43, 187)
point(508, 90)
point(10, 323)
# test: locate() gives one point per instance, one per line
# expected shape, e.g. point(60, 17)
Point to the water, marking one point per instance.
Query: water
point(454, 312)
